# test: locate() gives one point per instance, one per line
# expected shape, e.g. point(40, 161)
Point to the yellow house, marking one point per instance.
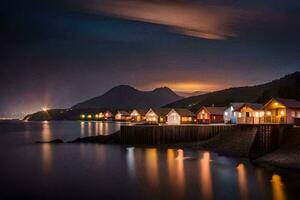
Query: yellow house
point(251, 113)
point(282, 111)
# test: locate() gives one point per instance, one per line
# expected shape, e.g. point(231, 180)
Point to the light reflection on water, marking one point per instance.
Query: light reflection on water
point(205, 176)
point(46, 148)
point(176, 171)
point(277, 185)
point(242, 181)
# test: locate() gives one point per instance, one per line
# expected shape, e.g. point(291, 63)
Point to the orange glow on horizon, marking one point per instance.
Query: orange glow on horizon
point(188, 86)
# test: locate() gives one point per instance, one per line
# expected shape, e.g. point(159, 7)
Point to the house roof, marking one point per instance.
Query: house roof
point(161, 111)
point(254, 106)
point(289, 103)
point(184, 112)
point(215, 110)
point(123, 112)
point(141, 111)
point(237, 105)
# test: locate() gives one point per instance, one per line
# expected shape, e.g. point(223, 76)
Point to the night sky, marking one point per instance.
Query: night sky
point(56, 53)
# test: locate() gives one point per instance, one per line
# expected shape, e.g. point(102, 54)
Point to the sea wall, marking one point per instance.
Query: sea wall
point(157, 135)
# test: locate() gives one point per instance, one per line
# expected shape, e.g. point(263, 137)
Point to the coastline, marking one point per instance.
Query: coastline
point(285, 157)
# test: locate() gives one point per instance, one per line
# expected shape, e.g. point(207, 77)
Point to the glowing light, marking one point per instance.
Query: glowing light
point(89, 116)
point(96, 116)
point(82, 116)
point(269, 113)
point(275, 104)
point(226, 113)
point(282, 113)
point(45, 109)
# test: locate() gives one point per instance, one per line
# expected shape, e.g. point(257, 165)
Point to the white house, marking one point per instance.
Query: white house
point(179, 116)
point(157, 115)
point(231, 112)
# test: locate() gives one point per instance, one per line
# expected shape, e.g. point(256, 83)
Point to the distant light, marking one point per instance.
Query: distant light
point(45, 109)
point(82, 116)
point(89, 116)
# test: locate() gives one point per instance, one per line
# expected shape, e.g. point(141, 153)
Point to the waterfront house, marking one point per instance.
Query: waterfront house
point(251, 113)
point(207, 115)
point(108, 115)
point(178, 116)
point(282, 111)
point(231, 112)
point(157, 115)
point(138, 115)
point(122, 115)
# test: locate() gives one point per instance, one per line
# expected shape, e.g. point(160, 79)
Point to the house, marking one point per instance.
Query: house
point(251, 113)
point(282, 111)
point(122, 115)
point(231, 112)
point(179, 116)
point(207, 115)
point(108, 115)
point(138, 115)
point(157, 115)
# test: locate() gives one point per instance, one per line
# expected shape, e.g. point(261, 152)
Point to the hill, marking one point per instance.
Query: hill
point(127, 97)
point(286, 87)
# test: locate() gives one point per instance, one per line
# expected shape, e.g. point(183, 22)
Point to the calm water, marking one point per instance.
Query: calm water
point(92, 171)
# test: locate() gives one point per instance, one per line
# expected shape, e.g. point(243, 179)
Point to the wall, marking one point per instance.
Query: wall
point(155, 135)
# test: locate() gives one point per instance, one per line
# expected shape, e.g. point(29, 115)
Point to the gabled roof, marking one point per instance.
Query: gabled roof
point(254, 106)
point(236, 105)
point(214, 110)
point(289, 103)
point(123, 112)
point(184, 112)
point(161, 111)
point(141, 111)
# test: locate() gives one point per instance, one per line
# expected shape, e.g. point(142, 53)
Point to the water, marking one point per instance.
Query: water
point(92, 171)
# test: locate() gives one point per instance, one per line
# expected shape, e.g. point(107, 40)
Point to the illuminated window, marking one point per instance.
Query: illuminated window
point(293, 114)
point(226, 113)
point(282, 113)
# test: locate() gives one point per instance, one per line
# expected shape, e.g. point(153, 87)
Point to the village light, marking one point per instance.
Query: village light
point(82, 116)
point(45, 109)
point(89, 116)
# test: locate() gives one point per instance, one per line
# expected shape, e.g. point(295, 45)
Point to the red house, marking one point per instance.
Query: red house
point(207, 115)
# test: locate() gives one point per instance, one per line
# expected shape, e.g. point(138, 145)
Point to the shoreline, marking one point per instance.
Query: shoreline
point(286, 157)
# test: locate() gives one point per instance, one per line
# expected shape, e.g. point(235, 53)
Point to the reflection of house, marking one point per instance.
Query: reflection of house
point(231, 113)
point(108, 115)
point(179, 116)
point(251, 113)
point(138, 115)
point(207, 115)
point(122, 115)
point(157, 115)
point(282, 111)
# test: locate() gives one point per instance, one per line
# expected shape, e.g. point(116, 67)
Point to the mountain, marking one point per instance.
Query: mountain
point(286, 87)
point(127, 97)
point(190, 94)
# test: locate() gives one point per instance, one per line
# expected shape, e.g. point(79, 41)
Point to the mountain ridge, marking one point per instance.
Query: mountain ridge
point(128, 97)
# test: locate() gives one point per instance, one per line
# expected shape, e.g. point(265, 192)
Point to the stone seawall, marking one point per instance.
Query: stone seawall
point(159, 135)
